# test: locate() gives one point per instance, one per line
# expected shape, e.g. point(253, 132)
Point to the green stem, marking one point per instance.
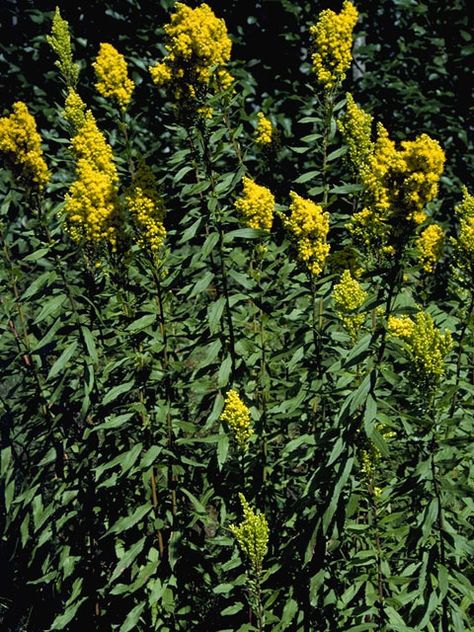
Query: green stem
point(223, 267)
point(470, 315)
point(440, 524)
point(168, 388)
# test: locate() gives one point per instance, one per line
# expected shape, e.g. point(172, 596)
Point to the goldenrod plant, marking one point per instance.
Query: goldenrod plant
point(237, 262)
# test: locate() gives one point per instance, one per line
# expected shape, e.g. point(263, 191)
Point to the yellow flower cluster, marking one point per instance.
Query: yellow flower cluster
point(74, 110)
point(356, 128)
point(198, 51)
point(465, 241)
point(60, 42)
point(332, 44)
point(424, 163)
point(256, 205)
point(264, 130)
point(252, 536)
point(349, 296)
point(401, 326)
point(426, 346)
point(147, 210)
point(112, 76)
point(91, 205)
point(21, 145)
point(398, 184)
point(430, 246)
point(309, 225)
point(237, 416)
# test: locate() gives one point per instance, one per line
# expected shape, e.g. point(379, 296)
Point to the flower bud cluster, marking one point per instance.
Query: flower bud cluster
point(60, 42)
point(465, 240)
point(252, 536)
point(349, 297)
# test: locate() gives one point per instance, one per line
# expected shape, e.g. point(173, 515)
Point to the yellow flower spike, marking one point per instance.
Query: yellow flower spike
point(147, 210)
point(256, 205)
point(74, 110)
point(264, 130)
point(252, 536)
point(198, 51)
point(112, 75)
point(426, 345)
point(465, 239)
point(20, 143)
point(309, 226)
point(349, 296)
point(91, 207)
point(356, 128)
point(237, 416)
point(430, 246)
point(398, 184)
point(60, 42)
point(332, 44)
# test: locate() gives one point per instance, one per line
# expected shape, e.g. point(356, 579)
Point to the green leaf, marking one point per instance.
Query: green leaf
point(63, 359)
point(133, 616)
point(90, 344)
point(234, 609)
point(202, 284)
point(224, 372)
point(214, 314)
point(222, 450)
point(50, 307)
point(116, 391)
point(243, 233)
point(142, 323)
point(128, 558)
point(123, 524)
point(306, 177)
point(337, 153)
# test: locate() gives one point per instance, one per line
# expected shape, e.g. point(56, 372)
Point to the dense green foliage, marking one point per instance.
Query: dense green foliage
point(119, 481)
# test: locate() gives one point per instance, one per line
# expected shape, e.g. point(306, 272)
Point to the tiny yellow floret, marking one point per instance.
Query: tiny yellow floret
point(356, 128)
point(465, 239)
point(74, 110)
